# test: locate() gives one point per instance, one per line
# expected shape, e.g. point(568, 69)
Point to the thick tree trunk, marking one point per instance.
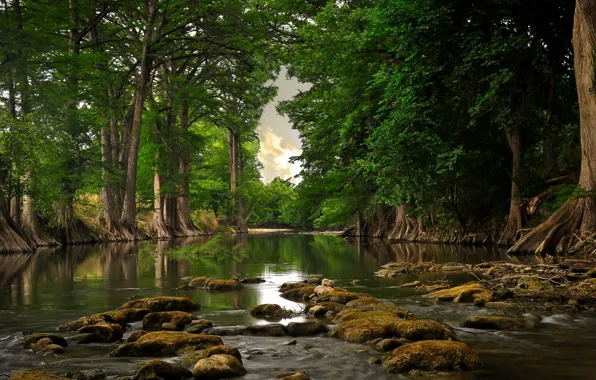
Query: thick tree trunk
point(578, 214)
point(400, 226)
point(158, 224)
point(15, 210)
point(516, 219)
point(128, 218)
point(239, 213)
point(184, 210)
point(11, 238)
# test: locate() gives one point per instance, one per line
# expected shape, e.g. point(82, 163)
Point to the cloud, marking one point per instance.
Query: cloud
point(275, 154)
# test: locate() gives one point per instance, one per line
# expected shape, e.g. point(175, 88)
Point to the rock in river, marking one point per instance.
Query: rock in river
point(293, 376)
point(155, 304)
point(308, 328)
point(190, 357)
point(217, 367)
point(158, 320)
point(54, 339)
point(465, 293)
point(498, 322)
point(166, 343)
point(35, 375)
point(431, 355)
point(270, 311)
point(157, 369)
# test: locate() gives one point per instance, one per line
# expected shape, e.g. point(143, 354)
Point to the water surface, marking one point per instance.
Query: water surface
point(40, 291)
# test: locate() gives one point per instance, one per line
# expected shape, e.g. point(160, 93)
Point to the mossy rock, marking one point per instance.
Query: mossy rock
point(498, 322)
point(45, 344)
point(294, 285)
point(156, 321)
point(190, 357)
point(222, 285)
point(54, 339)
point(270, 311)
point(252, 280)
point(273, 329)
point(464, 293)
point(299, 293)
point(32, 374)
point(136, 335)
point(373, 304)
point(160, 370)
point(81, 322)
point(217, 367)
point(103, 332)
point(391, 344)
point(583, 293)
point(166, 343)
point(125, 316)
point(341, 296)
point(199, 282)
point(293, 376)
point(362, 327)
point(431, 355)
point(308, 328)
point(320, 310)
point(156, 304)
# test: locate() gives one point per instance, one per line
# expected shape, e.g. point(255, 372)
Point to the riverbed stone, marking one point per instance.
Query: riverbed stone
point(293, 376)
point(125, 316)
point(167, 320)
point(391, 344)
point(217, 367)
point(166, 343)
point(498, 322)
point(270, 311)
point(294, 285)
point(102, 332)
point(320, 310)
point(163, 303)
point(299, 293)
point(464, 293)
point(273, 329)
point(431, 355)
point(46, 345)
point(53, 338)
point(225, 330)
point(308, 328)
point(222, 285)
point(88, 374)
point(373, 304)
point(341, 296)
point(362, 327)
point(32, 374)
point(160, 370)
point(81, 322)
point(198, 328)
point(190, 357)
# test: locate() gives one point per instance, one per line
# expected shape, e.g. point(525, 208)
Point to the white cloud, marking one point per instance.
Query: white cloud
point(275, 155)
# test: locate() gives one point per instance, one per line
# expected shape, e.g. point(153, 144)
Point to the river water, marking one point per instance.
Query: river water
point(40, 291)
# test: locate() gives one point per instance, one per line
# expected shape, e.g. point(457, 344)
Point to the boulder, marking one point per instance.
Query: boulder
point(321, 309)
point(198, 328)
point(293, 376)
point(274, 329)
point(373, 304)
point(32, 374)
point(294, 285)
point(81, 322)
point(222, 285)
point(252, 280)
point(102, 332)
point(498, 322)
point(313, 281)
point(225, 330)
point(341, 296)
point(155, 304)
point(391, 344)
point(217, 367)
point(362, 327)
point(45, 344)
point(464, 293)
point(270, 311)
point(199, 282)
point(166, 343)
point(160, 370)
point(308, 328)
point(121, 317)
point(190, 357)
point(299, 293)
point(54, 339)
point(431, 355)
point(328, 282)
point(157, 320)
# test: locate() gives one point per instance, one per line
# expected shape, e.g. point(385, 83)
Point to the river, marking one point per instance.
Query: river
point(40, 291)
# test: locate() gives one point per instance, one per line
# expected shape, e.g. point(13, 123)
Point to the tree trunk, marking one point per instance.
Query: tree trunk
point(516, 219)
point(15, 210)
point(184, 211)
point(400, 227)
point(239, 214)
point(11, 238)
point(578, 214)
point(128, 218)
point(158, 224)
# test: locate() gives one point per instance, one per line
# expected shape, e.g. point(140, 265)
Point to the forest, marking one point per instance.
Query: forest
point(425, 120)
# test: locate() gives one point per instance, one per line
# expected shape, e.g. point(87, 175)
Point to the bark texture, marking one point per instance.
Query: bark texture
point(578, 214)
point(517, 219)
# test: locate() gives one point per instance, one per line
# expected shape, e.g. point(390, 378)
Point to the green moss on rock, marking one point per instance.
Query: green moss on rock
point(431, 355)
point(155, 304)
point(166, 343)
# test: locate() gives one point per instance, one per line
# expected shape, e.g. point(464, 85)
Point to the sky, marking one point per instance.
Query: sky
point(279, 141)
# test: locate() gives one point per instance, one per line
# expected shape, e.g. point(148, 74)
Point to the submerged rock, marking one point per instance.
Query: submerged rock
point(217, 367)
point(293, 376)
point(252, 280)
point(362, 327)
point(299, 293)
point(45, 344)
point(431, 355)
point(136, 335)
point(222, 285)
point(157, 369)
point(167, 320)
point(121, 317)
point(274, 329)
point(498, 322)
point(464, 293)
point(373, 304)
point(32, 374)
point(341, 296)
point(321, 309)
point(155, 304)
point(294, 285)
point(308, 328)
point(81, 322)
point(166, 343)
point(270, 311)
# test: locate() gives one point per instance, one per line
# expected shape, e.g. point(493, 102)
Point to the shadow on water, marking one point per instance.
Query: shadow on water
point(42, 290)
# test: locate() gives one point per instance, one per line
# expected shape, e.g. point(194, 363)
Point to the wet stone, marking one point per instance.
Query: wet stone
point(156, 304)
point(308, 328)
point(293, 376)
point(217, 367)
point(431, 355)
point(35, 375)
point(157, 369)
